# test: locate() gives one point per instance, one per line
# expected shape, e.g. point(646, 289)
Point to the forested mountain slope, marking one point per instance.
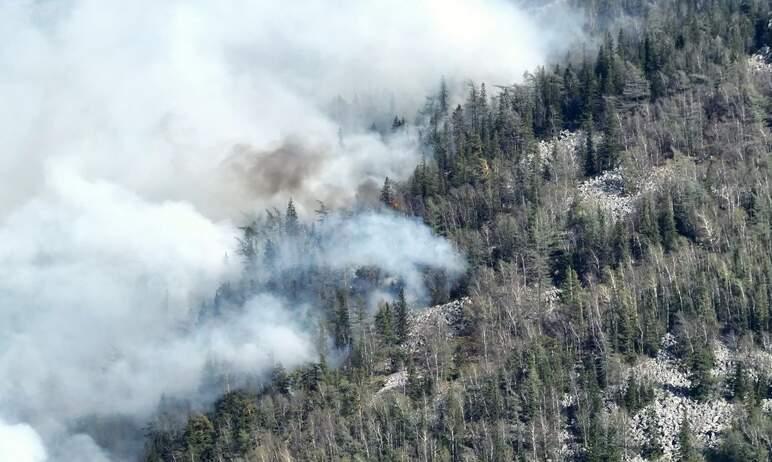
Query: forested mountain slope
point(616, 216)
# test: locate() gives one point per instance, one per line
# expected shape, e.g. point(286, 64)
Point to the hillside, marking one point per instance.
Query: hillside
point(615, 213)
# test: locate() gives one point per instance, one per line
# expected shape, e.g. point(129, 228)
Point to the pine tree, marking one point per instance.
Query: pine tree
point(624, 323)
point(604, 68)
point(611, 146)
point(342, 325)
point(652, 447)
point(383, 324)
point(322, 212)
point(667, 225)
point(280, 381)
point(533, 389)
point(648, 226)
point(199, 438)
point(387, 194)
point(291, 224)
point(444, 97)
point(620, 244)
point(413, 386)
point(571, 295)
point(397, 124)
point(588, 88)
point(571, 100)
point(760, 316)
point(739, 382)
point(401, 321)
point(687, 452)
point(590, 155)
point(701, 362)
point(632, 396)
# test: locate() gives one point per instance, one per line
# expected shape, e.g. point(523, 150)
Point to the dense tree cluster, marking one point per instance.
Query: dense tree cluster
point(565, 295)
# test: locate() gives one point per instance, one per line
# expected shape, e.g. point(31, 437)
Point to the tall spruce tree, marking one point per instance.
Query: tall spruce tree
point(401, 314)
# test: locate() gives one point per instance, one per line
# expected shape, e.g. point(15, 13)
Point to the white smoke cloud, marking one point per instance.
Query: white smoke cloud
point(100, 288)
point(154, 96)
point(132, 137)
point(398, 246)
point(20, 443)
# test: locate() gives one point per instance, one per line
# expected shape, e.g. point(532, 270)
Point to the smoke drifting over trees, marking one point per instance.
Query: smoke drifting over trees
point(133, 136)
point(156, 97)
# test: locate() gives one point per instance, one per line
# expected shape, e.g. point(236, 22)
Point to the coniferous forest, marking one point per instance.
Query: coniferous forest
point(615, 213)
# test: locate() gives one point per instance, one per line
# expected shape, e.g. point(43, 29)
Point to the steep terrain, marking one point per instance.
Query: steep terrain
point(615, 214)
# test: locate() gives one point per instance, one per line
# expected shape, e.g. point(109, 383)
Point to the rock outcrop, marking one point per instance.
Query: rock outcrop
point(660, 421)
point(447, 318)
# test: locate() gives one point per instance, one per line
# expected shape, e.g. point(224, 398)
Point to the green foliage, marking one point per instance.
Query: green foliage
point(652, 447)
point(384, 324)
point(198, 438)
point(637, 395)
point(610, 150)
point(739, 382)
point(687, 450)
point(589, 153)
point(280, 381)
point(703, 383)
point(749, 439)
point(342, 324)
point(672, 103)
point(667, 224)
point(401, 326)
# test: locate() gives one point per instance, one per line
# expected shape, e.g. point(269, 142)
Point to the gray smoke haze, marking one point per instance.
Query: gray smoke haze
point(310, 171)
point(99, 291)
point(156, 97)
point(133, 135)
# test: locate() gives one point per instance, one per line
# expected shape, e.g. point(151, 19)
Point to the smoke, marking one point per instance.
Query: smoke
point(133, 135)
point(398, 246)
point(159, 97)
point(100, 288)
point(20, 443)
point(316, 171)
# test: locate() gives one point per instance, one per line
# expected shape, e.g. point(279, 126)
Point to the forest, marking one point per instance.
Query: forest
point(615, 213)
